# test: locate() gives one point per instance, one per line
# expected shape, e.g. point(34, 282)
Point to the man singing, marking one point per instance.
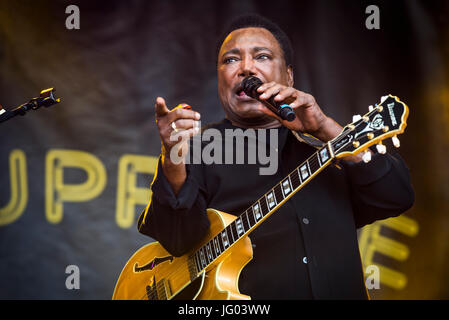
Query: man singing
point(308, 248)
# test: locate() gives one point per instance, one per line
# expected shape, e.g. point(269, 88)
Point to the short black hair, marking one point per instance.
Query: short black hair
point(253, 20)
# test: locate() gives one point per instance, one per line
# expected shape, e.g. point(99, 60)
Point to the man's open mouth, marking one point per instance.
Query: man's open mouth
point(240, 93)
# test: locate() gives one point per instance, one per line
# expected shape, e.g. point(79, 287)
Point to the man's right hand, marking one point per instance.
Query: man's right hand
point(187, 125)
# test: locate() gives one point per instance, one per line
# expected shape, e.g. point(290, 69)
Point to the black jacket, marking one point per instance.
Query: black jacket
point(308, 248)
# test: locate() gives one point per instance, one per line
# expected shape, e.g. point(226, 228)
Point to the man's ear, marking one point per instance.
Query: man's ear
point(290, 79)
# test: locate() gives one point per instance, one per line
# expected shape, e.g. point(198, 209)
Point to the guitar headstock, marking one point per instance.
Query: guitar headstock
point(384, 120)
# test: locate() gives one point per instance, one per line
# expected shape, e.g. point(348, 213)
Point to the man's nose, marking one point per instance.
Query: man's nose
point(247, 66)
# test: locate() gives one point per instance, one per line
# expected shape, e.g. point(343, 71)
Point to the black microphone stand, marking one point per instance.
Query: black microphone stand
point(45, 99)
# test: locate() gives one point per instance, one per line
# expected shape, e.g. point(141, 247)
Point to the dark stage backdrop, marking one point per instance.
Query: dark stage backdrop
point(75, 177)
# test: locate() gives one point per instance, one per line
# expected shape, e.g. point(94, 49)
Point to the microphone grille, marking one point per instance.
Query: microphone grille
point(250, 85)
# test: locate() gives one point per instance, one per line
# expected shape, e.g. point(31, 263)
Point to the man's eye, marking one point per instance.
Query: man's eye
point(263, 57)
point(229, 60)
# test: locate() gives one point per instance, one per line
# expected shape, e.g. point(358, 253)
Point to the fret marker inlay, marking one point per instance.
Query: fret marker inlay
point(324, 155)
point(257, 213)
point(270, 200)
point(304, 172)
point(224, 236)
point(286, 187)
point(239, 227)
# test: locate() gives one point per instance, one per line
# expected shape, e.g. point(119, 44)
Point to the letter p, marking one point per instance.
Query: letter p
point(57, 192)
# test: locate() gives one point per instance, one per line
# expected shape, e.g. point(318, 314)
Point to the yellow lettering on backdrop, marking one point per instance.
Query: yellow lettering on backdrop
point(56, 192)
point(128, 194)
point(371, 241)
point(19, 188)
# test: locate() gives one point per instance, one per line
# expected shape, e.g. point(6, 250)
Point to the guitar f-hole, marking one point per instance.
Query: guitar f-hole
point(152, 264)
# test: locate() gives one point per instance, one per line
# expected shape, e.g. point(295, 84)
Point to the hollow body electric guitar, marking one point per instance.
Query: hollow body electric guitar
point(212, 269)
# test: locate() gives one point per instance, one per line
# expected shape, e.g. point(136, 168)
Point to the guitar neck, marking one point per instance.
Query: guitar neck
point(265, 206)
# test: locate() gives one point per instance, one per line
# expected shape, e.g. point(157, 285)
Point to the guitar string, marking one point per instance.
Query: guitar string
point(312, 160)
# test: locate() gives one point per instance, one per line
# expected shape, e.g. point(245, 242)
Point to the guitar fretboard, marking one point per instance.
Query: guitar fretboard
point(262, 208)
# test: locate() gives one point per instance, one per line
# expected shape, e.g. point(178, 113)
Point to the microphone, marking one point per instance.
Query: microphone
point(250, 85)
point(45, 99)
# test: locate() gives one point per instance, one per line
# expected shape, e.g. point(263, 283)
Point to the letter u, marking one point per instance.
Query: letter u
point(19, 188)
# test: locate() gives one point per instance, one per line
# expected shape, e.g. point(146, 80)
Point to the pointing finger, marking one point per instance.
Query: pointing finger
point(161, 107)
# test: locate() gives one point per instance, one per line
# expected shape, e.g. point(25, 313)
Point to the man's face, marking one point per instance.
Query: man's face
point(249, 51)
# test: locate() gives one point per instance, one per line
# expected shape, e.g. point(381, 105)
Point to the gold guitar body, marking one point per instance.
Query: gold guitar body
point(153, 273)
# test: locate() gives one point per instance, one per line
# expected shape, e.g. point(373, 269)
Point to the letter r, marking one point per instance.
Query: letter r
point(128, 194)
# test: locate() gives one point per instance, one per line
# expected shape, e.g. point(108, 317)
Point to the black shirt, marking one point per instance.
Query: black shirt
point(308, 248)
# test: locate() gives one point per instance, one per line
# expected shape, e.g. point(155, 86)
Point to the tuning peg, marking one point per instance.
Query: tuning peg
point(356, 117)
point(370, 108)
point(366, 156)
point(396, 141)
point(382, 149)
